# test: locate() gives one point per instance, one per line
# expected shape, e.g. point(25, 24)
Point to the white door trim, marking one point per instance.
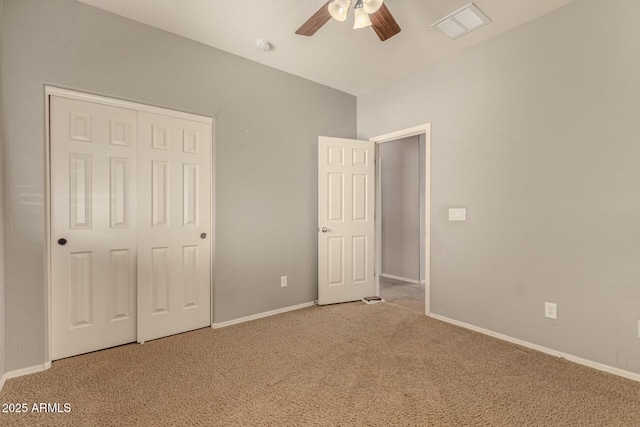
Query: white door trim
point(65, 93)
point(404, 133)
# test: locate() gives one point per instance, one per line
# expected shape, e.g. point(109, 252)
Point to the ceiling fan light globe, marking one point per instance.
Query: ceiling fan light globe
point(372, 6)
point(362, 19)
point(338, 9)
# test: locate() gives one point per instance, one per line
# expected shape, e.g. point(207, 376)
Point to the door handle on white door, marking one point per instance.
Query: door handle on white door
point(203, 236)
point(324, 229)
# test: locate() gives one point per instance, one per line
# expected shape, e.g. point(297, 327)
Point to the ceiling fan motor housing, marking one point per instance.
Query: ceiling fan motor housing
point(375, 11)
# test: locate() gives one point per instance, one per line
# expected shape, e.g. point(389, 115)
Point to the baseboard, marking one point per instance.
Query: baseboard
point(261, 315)
point(556, 353)
point(23, 371)
point(403, 279)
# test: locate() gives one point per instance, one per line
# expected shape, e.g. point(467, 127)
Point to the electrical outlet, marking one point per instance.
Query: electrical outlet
point(283, 281)
point(550, 310)
point(638, 328)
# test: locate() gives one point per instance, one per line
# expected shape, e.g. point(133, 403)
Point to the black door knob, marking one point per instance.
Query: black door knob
point(62, 242)
point(203, 236)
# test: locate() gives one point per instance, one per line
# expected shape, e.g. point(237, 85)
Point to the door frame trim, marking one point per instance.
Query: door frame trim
point(50, 91)
point(103, 100)
point(399, 134)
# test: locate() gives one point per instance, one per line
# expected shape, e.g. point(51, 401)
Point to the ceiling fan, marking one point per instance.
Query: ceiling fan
point(372, 13)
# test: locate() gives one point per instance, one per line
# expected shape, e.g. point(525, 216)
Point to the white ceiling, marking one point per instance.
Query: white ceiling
point(354, 61)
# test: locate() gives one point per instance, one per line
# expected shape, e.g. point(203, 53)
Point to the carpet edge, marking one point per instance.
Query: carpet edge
point(576, 359)
point(262, 315)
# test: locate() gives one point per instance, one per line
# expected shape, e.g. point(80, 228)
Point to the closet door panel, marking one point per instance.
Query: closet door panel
point(174, 186)
point(94, 242)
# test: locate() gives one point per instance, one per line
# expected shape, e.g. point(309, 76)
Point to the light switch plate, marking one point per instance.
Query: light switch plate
point(457, 214)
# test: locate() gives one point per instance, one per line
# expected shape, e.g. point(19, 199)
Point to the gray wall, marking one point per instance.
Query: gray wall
point(267, 124)
point(536, 132)
point(2, 345)
point(400, 208)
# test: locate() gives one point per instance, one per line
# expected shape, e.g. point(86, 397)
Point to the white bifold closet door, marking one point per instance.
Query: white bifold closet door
point(130, 225)
point(173, 246)
point(93, 226)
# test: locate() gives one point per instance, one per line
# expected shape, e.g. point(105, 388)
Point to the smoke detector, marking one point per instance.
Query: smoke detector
point(263, 45)
point(462, 21)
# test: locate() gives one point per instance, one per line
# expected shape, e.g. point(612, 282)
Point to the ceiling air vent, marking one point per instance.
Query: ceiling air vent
point(462, 21)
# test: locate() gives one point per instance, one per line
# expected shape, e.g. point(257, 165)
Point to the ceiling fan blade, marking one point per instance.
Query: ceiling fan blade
point(384, 24)
point(316, 21)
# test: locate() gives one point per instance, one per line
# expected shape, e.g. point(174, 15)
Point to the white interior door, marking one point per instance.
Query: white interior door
point(174, 250)
point(93, 226)
point(346, 228)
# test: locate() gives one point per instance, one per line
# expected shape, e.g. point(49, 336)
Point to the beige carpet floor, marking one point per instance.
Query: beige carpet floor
point(404, 294)
point(341, 365)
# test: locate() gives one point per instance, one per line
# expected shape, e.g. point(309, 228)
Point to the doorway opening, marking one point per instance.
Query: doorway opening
point(402, 220)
